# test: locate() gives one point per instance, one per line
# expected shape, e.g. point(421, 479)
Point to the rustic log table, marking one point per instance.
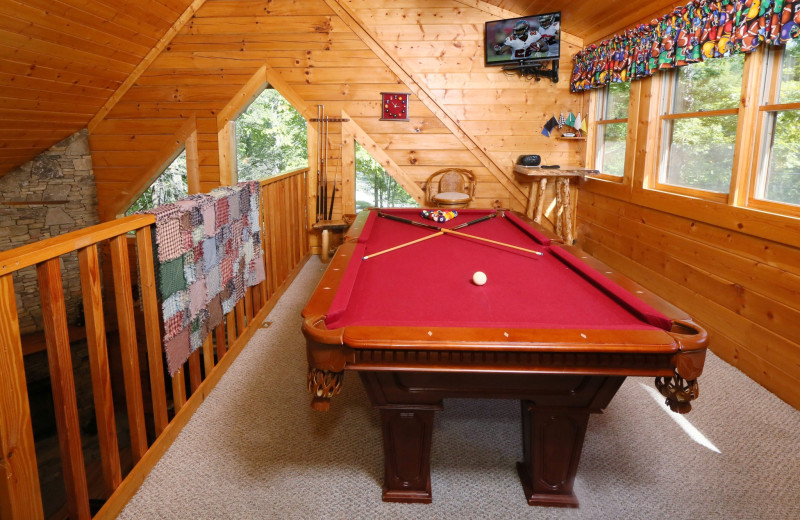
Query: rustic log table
point(537, 177)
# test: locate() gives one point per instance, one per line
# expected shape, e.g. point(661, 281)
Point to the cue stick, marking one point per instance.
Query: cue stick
point(440, 233)
point(325, 169)
point(319, 162)
point(481, 219)
point(458, 233)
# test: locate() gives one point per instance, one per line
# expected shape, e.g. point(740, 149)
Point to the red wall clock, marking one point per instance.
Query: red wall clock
point(394, 106)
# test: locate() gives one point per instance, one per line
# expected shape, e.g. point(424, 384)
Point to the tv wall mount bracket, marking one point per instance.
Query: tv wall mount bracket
point(534, 69)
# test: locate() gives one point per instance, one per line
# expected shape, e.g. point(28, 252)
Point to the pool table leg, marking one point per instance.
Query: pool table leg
point(407, 435)
point(552, 441)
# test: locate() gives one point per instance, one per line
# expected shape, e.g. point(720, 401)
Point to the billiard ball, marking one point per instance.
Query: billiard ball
point(479, 278)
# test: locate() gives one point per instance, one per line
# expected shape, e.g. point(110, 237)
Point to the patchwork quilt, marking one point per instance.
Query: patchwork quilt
point(208, 250)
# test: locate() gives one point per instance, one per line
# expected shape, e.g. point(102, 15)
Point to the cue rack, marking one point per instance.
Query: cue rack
point(324, 209)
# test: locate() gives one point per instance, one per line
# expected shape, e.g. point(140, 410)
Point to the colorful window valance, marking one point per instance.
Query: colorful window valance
point(700, 30)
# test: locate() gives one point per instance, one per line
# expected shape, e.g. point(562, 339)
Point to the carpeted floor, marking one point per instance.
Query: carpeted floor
point(255, 449)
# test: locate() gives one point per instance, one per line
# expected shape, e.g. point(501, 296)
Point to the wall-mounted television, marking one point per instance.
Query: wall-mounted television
point(527, 40)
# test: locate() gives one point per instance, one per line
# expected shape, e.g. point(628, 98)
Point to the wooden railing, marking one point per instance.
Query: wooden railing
point(286, 248)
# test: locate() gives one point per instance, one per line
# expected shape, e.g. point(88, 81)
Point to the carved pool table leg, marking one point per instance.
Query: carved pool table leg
point(407, 435)
point(552, 440)
point(679, 392)
point(323, 385)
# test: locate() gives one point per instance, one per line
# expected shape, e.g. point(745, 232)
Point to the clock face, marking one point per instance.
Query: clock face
point(395, 106)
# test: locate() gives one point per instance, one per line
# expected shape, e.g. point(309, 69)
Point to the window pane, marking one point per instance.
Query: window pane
point(709, 85)
point(700, 152)
point(619, 95)
point(790, 73)
point(611, 141)
point(782, 183)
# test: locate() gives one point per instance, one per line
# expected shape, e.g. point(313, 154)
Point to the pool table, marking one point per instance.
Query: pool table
point(551, 327)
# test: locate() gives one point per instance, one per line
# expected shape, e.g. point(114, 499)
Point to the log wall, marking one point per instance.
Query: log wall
point(340, 54)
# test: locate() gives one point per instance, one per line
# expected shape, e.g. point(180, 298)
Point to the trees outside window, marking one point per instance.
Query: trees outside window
point(778, 177)
point(271, 138)
point(170, 186)
point(612, 128)
point(698, 125)
point(375, 187)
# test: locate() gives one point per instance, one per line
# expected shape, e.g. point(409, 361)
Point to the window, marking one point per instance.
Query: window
point(778, 173)
point(170, 186)
point(270, 138)
point(700, 105)
point(375, 187)
point(612, 128)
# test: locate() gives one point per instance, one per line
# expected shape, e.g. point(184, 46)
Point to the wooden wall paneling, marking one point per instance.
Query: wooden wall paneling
point(384, 158)
point(348, 178)
point(747, 289)
point(145, 63)
point(19, 475)
point(59, 359)
point(133, 171)
point(227, 155)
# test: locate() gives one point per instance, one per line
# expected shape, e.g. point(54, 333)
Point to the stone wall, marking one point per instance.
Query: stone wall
point(51, 195)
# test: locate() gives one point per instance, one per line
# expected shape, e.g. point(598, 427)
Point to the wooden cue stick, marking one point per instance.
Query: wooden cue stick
point(440, 233)
point(450, 231)
point(319, 162)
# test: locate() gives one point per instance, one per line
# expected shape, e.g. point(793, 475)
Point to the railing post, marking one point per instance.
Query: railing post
point(129, 348)
point(59, 357)
point(98, 361)
point(152, 328)
point(19, 477)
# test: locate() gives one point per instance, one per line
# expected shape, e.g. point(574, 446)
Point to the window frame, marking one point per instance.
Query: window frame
point(667, 90)
point(767, 105)
point(598, 108)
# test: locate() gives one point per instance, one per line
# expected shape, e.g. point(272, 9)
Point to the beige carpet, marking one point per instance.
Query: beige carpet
point(255, 449)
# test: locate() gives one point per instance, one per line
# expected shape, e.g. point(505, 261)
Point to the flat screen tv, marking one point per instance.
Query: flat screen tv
point(528, 40)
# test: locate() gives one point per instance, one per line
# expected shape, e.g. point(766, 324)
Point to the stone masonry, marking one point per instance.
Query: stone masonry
point(51, 195)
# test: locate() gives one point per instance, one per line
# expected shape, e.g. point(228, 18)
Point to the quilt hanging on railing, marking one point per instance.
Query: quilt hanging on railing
point(208, 248)
point(700, 30)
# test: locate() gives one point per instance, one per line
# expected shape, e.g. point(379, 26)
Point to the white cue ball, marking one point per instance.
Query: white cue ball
point(479, 278)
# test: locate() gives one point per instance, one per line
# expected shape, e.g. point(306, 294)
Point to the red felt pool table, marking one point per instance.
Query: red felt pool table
point(558, 331)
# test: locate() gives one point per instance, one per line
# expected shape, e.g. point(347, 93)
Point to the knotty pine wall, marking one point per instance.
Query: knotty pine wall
point(340, 54)
point(744, 289)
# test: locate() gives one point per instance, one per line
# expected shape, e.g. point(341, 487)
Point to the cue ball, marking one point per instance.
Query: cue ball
point(479, 278)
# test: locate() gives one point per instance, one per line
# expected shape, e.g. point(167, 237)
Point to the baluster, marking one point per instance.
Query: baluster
point(98, 362)
point(208, 355)
point(152, 328)
point(59, 358)
point(194, 370)
point(128, 346)
point(19, 476)
point(178, 391)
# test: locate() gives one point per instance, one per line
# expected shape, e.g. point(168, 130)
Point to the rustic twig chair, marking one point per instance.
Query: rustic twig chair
point(454, 188)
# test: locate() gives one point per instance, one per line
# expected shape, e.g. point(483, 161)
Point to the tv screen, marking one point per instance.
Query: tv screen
point(527, 39)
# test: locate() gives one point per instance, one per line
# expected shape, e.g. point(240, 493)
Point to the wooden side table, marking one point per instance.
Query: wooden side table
point(537, 177)
point(326, 226)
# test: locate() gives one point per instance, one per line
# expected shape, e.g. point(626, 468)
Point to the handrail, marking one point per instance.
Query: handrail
point(285, 243)
point(32, 254)
point(270, 180)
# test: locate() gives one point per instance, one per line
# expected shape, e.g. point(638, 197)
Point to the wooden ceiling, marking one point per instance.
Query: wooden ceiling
point(61, 61)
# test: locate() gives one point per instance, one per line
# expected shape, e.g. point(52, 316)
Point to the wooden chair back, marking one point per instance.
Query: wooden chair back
point(449, 180)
